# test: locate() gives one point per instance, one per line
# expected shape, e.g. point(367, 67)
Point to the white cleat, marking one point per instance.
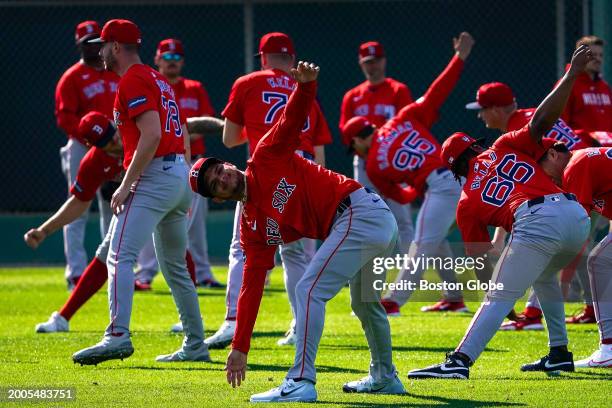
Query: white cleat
point(289, 340)
point(199, 354)
point(601, 358)
point(223, 336)
point(56, 323)
point(289, 391)
point(369, 386)
point(177, 328)
point(110, 348)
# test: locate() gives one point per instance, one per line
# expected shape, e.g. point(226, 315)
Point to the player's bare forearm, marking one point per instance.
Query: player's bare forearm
point(319, 155)
point(232, 134)
point(72, 209)
point(204, 124)
point(552, 106)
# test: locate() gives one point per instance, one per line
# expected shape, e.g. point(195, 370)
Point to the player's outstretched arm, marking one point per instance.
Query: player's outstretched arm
point(72, 209)
point(551, 107)
point(204, 124)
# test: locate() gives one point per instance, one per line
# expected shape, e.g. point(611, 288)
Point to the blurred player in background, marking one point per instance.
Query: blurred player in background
point(84, 87)
point(378, 99)
point(506, 187)
point(403, 150)
point(255, 104)
point(193, 101)
point(153, 198)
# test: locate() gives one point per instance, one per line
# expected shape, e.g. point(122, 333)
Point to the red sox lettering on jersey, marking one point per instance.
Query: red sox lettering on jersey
point(282, 194)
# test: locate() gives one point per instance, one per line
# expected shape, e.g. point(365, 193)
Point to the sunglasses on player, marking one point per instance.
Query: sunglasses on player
point(172, 57)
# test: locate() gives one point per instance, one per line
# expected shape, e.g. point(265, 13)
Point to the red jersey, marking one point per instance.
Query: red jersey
point(588, 175)
point(95, 168)
point(378, 103)
point(404, 150)
point(560, 130)
point(500, 179)
point(142, 89)
point(193, 101)
point(80, 90)
point(288, 198)
point(590, 105)
point(256, 102)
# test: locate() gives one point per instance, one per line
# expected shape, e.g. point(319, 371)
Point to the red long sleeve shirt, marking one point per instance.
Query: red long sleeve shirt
point(288, 198)
point(404, 150)
point(80, 90)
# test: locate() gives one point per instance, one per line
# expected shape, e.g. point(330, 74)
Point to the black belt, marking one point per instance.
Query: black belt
point(308, 156)
point(344, 204)
point(540, 200)
point(169, 157)
point(442, 170)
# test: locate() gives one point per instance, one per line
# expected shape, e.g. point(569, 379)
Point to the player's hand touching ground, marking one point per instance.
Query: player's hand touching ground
point(463, 45)
point(305, 72)
point(34, 237)
point(236, 367)
point(580, 59)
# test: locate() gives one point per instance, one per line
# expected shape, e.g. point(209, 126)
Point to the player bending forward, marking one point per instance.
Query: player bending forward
point(506, 187)
point(287, 197)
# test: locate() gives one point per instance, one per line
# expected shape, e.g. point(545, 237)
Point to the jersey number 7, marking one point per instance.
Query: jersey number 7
point(278, 101)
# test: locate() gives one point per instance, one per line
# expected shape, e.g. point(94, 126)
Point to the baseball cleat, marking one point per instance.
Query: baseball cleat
point(223, 337)
point(141, 285)
point(211, 284)
point(199, 354)
point(177, 327)
point(72, 282)
point(601, 358)
point(585, 316)
point(391, 307)
point(523, 323)
point(289, 340)
point(446, 306)
point(369, 386)
point(288, 391)
point(56, 323)
point(452, 367)
point(552, 363)
point(110, 348)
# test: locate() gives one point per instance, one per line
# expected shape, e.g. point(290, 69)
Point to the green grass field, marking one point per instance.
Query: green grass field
point(30, 359)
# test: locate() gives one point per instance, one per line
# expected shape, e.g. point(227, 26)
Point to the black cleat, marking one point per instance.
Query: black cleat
point(553, 362)
point(452, 367)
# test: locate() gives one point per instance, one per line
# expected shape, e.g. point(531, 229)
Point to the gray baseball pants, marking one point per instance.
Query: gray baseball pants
point(436, 216)
point(363, 231)
point(158, 205)
point(545, 237)
point(599, 265)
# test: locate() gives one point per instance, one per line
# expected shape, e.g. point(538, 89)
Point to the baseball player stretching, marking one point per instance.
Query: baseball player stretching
point(497, 108)
point(83, 88)
point(506, 187)
point(153, 198)
point(193, 101)
point(588, 174)
point(378, 99)
point(285, 198)
point(403, 150)
point(255, 104)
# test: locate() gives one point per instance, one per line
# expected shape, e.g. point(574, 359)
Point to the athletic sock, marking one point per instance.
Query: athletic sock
point(559, 350)
point(606, 341)
point(91, 281)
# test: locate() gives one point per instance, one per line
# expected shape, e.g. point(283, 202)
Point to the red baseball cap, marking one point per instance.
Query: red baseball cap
point(354, 128)
point(86, 30)
point(452, 147)
point(276, 43)
point(170, 46)
point(370, 50)
point(121, 31)
point(95, 129)
point(198, 173)
point(492, 94)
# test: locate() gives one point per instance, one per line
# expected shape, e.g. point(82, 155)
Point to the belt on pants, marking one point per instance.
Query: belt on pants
point(169, 157)
point(346, 202)
point(540, 200)
point(308, 156)
point(442, 170)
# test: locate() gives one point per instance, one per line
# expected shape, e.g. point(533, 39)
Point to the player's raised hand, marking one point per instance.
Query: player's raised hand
point(236, 367)
point(463, 45)
point(580, 59)
point(34, 237)
point(305, 72)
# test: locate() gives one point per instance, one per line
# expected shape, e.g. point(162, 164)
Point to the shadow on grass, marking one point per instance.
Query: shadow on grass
point(400, 348)
point(435, 402)
point(202, 293)
point(218, 366)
